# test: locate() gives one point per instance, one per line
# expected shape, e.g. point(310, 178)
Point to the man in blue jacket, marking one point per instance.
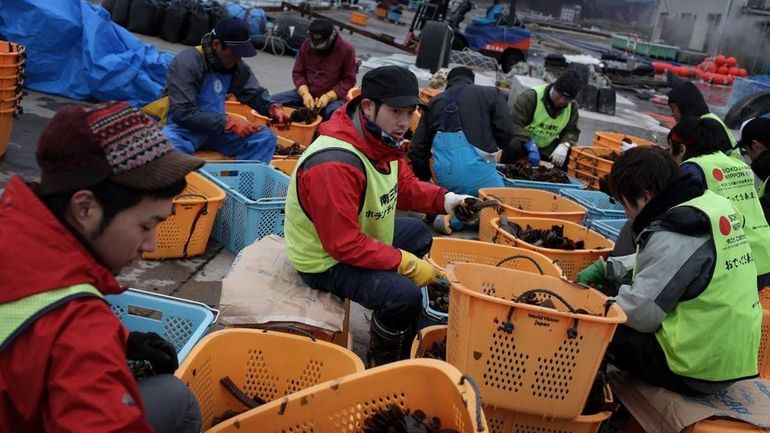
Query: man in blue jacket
point(199, 80)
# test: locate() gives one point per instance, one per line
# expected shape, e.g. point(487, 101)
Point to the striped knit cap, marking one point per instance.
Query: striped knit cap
point(82, 146)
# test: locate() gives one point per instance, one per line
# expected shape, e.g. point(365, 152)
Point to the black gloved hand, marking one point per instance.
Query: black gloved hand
point(149, 346)
point(466, 211)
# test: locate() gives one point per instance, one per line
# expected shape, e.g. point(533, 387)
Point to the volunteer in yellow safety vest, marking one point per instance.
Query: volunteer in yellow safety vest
point(755, 143)
point(686, 101)
point(342, 232)
point(694, 315)
point(695, 145)
point(545, 121)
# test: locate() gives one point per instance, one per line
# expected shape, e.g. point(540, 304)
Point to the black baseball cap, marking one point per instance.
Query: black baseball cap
point(392, 85)
point(235, 34)
point(758, 129)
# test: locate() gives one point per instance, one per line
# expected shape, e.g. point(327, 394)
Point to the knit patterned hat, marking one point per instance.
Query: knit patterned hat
point(82, 146)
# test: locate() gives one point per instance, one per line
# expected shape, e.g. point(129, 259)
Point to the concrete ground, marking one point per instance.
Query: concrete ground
point(198, 278)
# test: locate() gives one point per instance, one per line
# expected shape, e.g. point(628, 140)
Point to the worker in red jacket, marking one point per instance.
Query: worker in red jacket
point(323, 73)
point(342, 232)
point(108, 178)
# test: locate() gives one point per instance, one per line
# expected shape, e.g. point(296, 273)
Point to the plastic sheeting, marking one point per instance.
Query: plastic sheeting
point(74, 50)
point(480, 35)
point(253, 15)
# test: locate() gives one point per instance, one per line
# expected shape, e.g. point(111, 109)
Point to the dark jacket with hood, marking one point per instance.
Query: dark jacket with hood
point(689, 99)
point(484, 117)
point(67, 371)
point(331, 191)
point(322, 71)
point(185, 77)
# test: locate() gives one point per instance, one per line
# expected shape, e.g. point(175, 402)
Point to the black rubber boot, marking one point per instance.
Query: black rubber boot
point(386, 345)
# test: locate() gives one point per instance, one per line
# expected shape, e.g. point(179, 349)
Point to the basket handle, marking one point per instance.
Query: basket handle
point(236, 392)
point(520, 256)
point(547, 292)
point(477, 392)
point(508, 327)
point(289, 327)
point(204, 210)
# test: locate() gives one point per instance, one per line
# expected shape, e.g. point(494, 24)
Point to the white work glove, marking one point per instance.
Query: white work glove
point(559, 155)
point(455, 204)
point(625, 146)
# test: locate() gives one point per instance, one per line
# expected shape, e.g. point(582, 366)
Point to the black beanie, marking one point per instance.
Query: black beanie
point(321, 28)
point(569, 84)
point(461, 71)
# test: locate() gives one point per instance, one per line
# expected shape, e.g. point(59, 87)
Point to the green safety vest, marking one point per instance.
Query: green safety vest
point(376, 218)
point(544, 129)
point(734, 181)
point(715, 336)
point(22, 313)
point(735, 152)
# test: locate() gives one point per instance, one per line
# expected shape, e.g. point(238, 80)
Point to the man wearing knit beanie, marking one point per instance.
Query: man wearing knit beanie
point(545, 119)
point(324, 72)
point(108, 179)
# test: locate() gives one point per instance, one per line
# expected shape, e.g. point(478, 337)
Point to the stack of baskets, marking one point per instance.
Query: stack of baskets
point(12, 58)
point(612, 140)
point(536, 365)
point(590, 164)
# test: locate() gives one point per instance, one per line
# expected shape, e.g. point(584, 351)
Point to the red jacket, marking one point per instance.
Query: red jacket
point(67, 372)
point(331, 193)
point(331, 70)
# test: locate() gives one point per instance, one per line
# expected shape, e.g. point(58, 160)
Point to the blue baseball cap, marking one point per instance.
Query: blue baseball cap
point(234, 33)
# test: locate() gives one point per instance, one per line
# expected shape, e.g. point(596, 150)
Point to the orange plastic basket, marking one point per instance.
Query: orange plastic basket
point(342, 405)
point(764, 298)
point(506, 421)
point(11, 53)
point(264, 364)
point(426, 94)
point(6, 126)
point(415, 120)
point(285, 164)
point(359, 18)
point(235, 107)
point(592, 159)
point(298, 132)
point(590, 179)
point(353, 93)
point(425, 339)
point(764, 346)
point(571, 262)
point(447, 250)
point(526, 202)
point(210, 155)
point(186, 232)
point(527, 358)
point(612, 140)
point(723, 425)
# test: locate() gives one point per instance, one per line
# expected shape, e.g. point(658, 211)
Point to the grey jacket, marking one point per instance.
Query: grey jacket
point(185, 77)
point(485, 120)
point(675, 263)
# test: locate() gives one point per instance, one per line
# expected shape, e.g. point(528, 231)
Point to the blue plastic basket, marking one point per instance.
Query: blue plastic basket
point(598, 204)
point(429, 316)
point(180, 321)
point(609, 228)
point(546, 186)
point(255, 203)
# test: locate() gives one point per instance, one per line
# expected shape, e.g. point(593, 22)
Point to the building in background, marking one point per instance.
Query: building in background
point(571, 13)
point(733, 27)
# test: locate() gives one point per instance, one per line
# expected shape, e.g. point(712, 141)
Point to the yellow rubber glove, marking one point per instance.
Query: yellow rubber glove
point(418, 270)
point(307, 98)
point(324, 99)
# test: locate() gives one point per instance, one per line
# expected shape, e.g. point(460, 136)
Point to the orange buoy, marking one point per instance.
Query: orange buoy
point(719, 60)
point(723, 70)
point(732, 61)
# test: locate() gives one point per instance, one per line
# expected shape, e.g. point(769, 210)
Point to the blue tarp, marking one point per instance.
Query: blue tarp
point(253, 15)
point(480, 35)
point(74, 50)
